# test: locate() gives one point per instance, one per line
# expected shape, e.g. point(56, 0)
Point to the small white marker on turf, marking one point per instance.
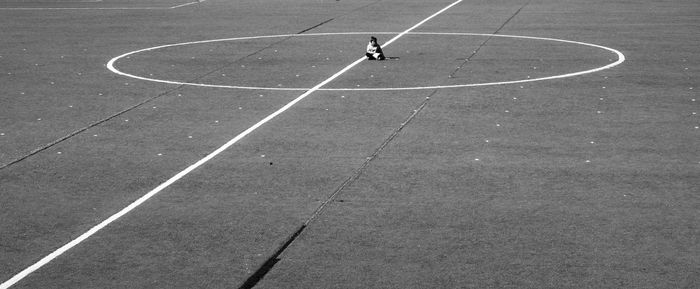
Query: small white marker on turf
point(58, 153)
point(189, 136)
point(588, 161)
point(160, 154)
point(2, 133)
point(498, 124)
point(262, 156)
point(476, 160)
point(38, 119)
point(599, 112)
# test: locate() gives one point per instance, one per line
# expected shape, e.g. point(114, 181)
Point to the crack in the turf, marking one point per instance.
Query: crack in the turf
point(317, 25)
point(466, 60)
point(141, 103)
point(275, 258)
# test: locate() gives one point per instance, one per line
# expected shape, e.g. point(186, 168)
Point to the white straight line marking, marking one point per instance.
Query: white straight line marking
point(187, 4)
point(99, 8)
point(21, 275)
point(86, 8)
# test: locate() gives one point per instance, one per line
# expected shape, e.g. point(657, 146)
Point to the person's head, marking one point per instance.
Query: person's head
point(373, 40)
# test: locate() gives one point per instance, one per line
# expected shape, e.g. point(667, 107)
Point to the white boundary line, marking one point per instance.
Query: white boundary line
point(186, 4)
point(620, 59)
point(21, 275)
point(101, 8)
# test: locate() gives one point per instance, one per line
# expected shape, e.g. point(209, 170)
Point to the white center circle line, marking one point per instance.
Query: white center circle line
point(620, 59)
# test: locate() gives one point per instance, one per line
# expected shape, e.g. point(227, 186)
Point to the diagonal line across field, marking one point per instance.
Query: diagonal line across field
point(101, 8)
point(45, 260)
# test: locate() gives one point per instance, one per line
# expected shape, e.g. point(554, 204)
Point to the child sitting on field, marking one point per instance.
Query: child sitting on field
point(374, 51)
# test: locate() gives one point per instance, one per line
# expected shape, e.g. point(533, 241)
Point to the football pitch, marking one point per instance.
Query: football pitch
point(249, 144)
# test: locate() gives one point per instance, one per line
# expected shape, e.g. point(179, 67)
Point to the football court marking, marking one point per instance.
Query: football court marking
point(620, 59)
point(58, 252)
point(100, 8)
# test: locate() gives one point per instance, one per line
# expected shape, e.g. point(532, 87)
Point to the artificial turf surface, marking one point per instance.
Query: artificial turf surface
point(585, 182)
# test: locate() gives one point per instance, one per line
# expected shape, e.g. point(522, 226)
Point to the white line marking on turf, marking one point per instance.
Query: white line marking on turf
point(84, 8)
point(21, 275)
point(620, 59)
point(99, 8)
point(187, 4)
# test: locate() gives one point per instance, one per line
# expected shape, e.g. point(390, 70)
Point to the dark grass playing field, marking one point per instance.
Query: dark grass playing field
point(591, 181)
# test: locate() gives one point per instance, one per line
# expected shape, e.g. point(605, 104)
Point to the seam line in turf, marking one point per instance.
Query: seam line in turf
point(95, 229)
point(141, 103)
point(466, 60)
point(270, 262)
